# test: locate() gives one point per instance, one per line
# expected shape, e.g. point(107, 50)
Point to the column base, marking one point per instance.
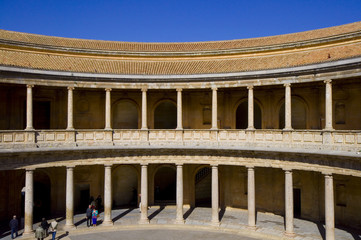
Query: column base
point(179, 221)
point(108, 223)
point(290, 235)
point(287, 129)
point(69, 227)
point(250, 129)
point(254, 228)
point(144, 221)
point(108, 129)
point(328, 129)
point(216, 224)
point(28, 234)
point(29, 129)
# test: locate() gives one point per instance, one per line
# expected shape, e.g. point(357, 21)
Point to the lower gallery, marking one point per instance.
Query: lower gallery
point(268, 125)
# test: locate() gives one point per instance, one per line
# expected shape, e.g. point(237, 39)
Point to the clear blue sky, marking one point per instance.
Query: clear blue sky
point(174, 21)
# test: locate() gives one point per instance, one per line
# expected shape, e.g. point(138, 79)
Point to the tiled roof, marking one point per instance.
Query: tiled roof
point(33, 58)
point(178, 47)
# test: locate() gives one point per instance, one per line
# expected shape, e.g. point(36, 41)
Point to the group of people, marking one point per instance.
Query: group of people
point(92, 212)
point(41, 232)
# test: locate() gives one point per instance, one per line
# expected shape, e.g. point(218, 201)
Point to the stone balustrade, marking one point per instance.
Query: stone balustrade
point(295, 139)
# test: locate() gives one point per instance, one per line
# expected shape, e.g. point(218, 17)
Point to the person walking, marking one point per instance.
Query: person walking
point(14, 225)
point(95, 217)
point(53, 226)
point(40, 233)
point(88, 215)
point(45, 226)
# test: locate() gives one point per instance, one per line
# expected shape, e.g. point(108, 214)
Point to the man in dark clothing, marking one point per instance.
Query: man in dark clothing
point(89, 216)
point(14, 227)
point(45, 226)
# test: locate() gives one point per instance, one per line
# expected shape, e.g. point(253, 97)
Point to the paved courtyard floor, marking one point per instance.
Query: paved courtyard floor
point(233, 223)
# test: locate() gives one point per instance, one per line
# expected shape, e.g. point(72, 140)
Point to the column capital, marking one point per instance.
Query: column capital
point(250, 166)
point(287, 170)
point(30, 85)
point(327, 174)
point(70, 167)
point(328, 81)
point(108, 89)
point(108, 165)
point(144, 164)
point(70, 88)
point(250, 87)
point(214, 88)
point(179, 89)
point(287, 84)
point(179, 164)
point(144, 89)
point(214, 165)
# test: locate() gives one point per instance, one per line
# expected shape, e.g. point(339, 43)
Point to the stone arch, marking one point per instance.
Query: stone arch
point(125, 186)
point(241, 114)
point(165, 115)
point(125, 114)
point(299, 113)
point(165, 184)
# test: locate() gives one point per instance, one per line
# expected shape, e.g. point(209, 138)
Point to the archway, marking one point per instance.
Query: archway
point(298, 112)
point(203, 187)
point(125, 186)
point(165, 185)
point(165, 115)
point(242, 115)
point(125, 115)
point(42, 197)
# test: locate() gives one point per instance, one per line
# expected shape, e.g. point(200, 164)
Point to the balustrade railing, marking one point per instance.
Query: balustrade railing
point(301, 139)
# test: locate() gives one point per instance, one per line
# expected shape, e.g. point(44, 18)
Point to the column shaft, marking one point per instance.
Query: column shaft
point(29, 107)
point(108, 195)
point(250, 108)
point(144, 109)
point(179, 218)
point(329, 208)
point(108, 109)
point(70, 108)
point(179, 109)
point(69, 223)
point(29, 201)
point(289, 202)
point(215, 196)
point(288, 110)
point(251, 198)
point(328, 103)
point(214, 108)
point(144, 195)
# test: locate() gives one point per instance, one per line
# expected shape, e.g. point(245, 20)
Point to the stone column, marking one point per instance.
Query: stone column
point(69, 223)
point(179, 109)
point(250, 108)
point(251, 198)
point(215, 196)
point(288, 110)
point(179, 218)
point(329, 208)
point(144, 195)
point(289, 203)
point(29, 202)
point(328, 103)
point(70, 109)
point(214, 108)
point(108, 195)
point(108, 115)
point(144, 109)
point(29, 107)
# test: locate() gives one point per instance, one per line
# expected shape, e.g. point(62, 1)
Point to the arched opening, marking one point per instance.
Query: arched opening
point(165, 115)
point(42, 191)
point(242, 116)
point(165, 186)
point(203, 187)
point(125, 187)
point(125, 115)
point(298, 112)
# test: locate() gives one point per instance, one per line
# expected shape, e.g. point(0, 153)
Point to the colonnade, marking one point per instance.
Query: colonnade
point(289, 226)
point(214, 126)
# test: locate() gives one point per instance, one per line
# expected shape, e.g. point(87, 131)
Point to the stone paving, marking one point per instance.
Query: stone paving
point(269, 226)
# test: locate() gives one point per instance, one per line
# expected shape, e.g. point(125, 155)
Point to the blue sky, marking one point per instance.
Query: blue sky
point(174, 21)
